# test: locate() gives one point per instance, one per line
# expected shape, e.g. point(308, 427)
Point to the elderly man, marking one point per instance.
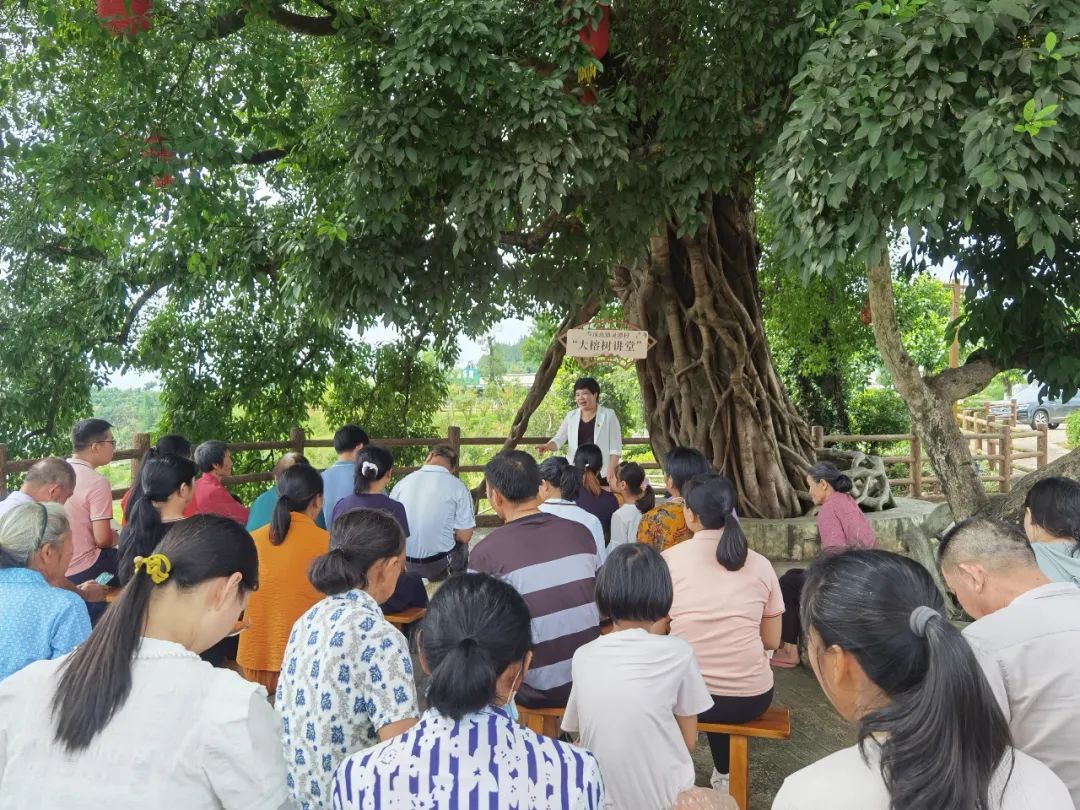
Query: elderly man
point(214, 461)
point(1026, 637)
point(440, 512)
point(51, 480)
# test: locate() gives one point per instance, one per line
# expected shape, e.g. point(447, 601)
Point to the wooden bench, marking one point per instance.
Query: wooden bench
point(406, 617)
point(775, 724)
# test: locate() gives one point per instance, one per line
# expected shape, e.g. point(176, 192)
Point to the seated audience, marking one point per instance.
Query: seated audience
point(89, 509)
point(171, 444)
point(262, 508)
point(727, 605)
point(930, 735)
point(132, 719)
point(338, 478)
point(552, 562)
point(39, 621)
point(211, 498)
point(286, 549)
point(1026, 637)
point(165, 488)
point(439, 508)
point(664, 526)
point(637, 498)
point(841, 526)
point(560, 485)
point(475, 645)
point(591, 495)
point(51, 480)
point(644, 754)
point(347, 678)
point(1052, 525)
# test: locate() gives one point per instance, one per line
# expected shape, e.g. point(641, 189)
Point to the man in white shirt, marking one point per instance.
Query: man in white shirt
point(441, 518)
point(1026, 637)
point(51, 480)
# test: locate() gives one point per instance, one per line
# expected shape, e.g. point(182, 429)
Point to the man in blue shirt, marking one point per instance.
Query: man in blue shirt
point(338, 477)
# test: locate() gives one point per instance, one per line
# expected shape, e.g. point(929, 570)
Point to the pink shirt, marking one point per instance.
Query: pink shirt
point(90, 501)
point(842, 525)
point(211, 498)
point(720, 612)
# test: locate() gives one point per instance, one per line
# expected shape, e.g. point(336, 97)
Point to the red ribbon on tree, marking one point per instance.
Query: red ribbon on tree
point(125, 17)
point(596, 39)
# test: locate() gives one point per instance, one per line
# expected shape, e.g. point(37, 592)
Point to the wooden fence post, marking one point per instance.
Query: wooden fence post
point(3, 471)
point(1012, 420)
point(1006, 463)
point(453, 438)
point(141, 443)
point(817, 433)
point(916, 467)
point(296, 439)
point(1041, 447)
point(990, 444)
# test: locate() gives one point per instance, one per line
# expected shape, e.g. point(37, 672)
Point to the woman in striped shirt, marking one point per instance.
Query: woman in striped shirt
point(467, 750)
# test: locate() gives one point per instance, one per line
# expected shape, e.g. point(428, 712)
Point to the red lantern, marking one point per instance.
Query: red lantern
point(596, 39)
point(124, 17)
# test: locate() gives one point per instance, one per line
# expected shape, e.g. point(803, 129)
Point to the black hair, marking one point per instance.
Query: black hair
point(358, 539)
point(560, 473)
point(159, 477)
point(87, 431)
point(944, 732)
point(210, 454)
point(1055, 506)
point(297, 487)
point(95, 681)
point(372, 463)
point(683, 463)
point(445, 451)
point(349, 437)
point(475, 627)
point(634, 584)
point(830, 473)
point(587, 384)
point(589, 461)
point(712, 498)
point(633, 474)
point(514, 474)
point(174, 444)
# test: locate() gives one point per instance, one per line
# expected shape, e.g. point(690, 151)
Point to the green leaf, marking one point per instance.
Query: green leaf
point(1050, 42)
point(1029, 110)
point(984, 27)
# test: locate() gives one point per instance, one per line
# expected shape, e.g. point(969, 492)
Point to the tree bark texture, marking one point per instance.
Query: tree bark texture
point(928, 404)
point(709, 382)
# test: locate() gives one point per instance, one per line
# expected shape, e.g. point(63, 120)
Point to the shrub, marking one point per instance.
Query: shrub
point(1072, 430)
point(878, 411)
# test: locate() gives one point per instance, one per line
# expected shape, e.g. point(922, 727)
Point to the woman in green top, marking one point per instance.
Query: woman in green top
point(1052, 525)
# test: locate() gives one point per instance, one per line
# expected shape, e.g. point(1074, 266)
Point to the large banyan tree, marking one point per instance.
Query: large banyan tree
point(433, 164)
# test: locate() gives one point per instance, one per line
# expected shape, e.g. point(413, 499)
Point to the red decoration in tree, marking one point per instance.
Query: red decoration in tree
point(163, 181)
point(866, 315)
point(596, 39)
point(124, 17)
point(156, 147)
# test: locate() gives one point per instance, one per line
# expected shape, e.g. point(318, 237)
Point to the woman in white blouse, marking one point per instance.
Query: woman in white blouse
point(133, 718)
point(931, 734)
point(589, 423)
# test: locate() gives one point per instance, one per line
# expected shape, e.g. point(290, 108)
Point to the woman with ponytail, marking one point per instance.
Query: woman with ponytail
point(286, 549)
point(133, 719)
point(347, 679)
point(475, 644)
point(931, 735)
point(728, 606)
point(171, 444)
point(560, 483)
point(1052, 526)
point(164, 490)
point(637, 498)
point(591, 496)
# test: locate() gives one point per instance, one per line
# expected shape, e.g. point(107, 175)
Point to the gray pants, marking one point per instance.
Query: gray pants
point(456, 561)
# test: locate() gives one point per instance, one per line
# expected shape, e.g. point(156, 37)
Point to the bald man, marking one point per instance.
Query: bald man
point(51, 480)
point(1026, 637)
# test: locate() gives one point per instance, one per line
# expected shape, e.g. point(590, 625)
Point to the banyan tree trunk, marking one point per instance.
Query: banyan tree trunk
point(709, 382)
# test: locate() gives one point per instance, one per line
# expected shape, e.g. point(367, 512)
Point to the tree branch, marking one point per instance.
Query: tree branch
point(226, 25)
point(952, 384)
point(140, 302)
point(533, 241)
point(267, 156)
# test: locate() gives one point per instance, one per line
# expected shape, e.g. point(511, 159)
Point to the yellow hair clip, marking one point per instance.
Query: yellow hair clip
point(157, 567)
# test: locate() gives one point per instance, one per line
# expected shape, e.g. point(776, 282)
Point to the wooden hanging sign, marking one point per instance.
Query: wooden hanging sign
point(610, 342)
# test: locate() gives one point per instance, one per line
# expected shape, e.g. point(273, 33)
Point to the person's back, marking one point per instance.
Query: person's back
point(1052, 525)
point(338, 477)
point(571, 511)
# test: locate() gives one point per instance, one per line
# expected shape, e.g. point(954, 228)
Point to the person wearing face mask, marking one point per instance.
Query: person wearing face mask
point(346, 678)
point(589, 423)
point(467, 750)
point(133, 719)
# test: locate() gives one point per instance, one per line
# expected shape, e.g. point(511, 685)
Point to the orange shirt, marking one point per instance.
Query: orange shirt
point(284, 593)
point(664, 525)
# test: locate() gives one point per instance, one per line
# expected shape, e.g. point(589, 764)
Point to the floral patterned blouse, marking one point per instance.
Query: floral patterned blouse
point(346, 674)
point(485, 760)
point(664, 526)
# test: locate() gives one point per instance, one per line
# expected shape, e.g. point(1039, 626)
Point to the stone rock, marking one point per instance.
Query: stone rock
point(870, 481)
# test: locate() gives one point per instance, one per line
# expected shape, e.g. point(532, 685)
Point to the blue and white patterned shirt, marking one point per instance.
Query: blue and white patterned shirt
point(346, 674)
point(40, 622)
point(485, 760)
